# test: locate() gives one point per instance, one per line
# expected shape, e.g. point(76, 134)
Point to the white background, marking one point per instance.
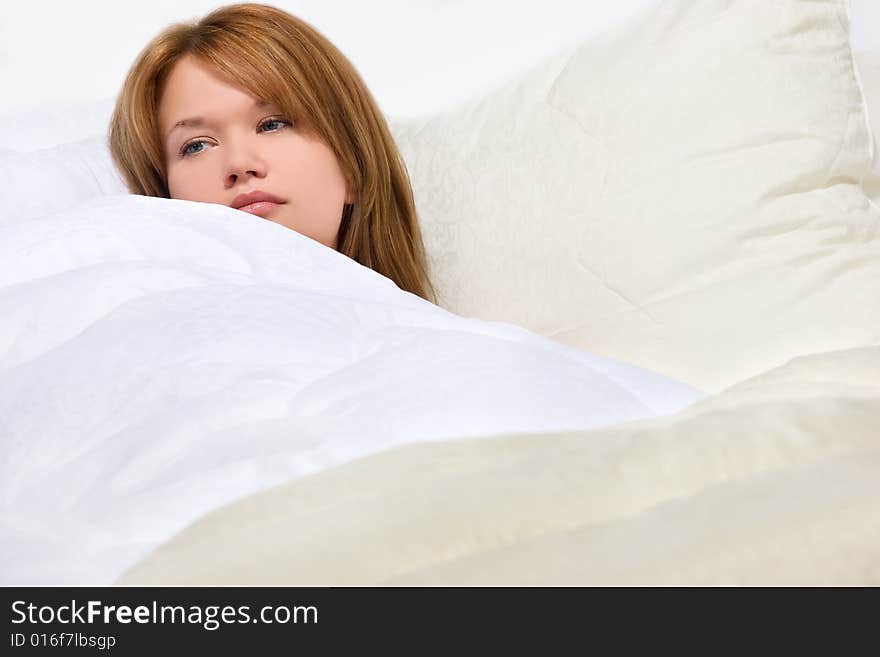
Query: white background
point(417, 56)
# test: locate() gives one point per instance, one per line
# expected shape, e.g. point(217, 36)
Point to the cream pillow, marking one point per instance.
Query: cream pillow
point(683, 193)
point(868, 67)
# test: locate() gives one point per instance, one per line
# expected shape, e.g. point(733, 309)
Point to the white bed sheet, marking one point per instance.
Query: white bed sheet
point(162, 358)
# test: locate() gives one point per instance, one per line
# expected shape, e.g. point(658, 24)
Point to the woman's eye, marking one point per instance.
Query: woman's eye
point(187, 151)
point(271, 121)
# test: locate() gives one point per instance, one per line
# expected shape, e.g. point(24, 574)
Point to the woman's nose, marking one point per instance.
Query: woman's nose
point(244, 161)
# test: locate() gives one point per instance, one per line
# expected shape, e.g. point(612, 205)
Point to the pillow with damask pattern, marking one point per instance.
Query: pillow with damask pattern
point(684, 193)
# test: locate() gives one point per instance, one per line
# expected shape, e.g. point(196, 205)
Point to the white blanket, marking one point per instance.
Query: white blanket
point(775, 481)
point(160, 358)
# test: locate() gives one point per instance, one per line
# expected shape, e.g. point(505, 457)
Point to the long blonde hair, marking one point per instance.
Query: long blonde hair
point(281, 59)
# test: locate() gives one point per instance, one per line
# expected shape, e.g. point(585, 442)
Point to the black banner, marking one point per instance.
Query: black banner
point(246, 620)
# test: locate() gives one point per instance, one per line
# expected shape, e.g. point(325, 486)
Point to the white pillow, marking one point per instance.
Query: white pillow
point(51, 179)
point(48, 125)
point(682, 193)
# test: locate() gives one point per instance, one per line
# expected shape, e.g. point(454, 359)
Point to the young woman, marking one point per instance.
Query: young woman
point(252, 108)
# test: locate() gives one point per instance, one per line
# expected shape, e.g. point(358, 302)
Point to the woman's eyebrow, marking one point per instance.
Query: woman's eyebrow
point(199, 121)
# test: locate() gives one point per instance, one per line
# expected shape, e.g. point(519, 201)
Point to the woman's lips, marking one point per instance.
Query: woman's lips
point(260, 208)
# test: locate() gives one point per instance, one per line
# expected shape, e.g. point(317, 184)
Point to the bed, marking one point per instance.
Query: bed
point(655, 357)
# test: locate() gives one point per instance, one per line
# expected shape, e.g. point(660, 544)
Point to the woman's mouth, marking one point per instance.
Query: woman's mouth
point(260, 208)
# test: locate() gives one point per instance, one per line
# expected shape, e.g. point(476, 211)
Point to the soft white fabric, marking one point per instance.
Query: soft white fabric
point(868, 72)
point(159, 358)
point(48, 125)
point(775, 481)
point(52, 179)
point(683, 192)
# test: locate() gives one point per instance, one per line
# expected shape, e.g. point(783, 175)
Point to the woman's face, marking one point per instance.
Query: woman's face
point(240, 146)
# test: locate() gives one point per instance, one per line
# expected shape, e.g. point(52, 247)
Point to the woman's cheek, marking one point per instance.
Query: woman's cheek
point(191, 185)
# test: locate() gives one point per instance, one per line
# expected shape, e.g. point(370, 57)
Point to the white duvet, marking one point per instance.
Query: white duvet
point(160, 358)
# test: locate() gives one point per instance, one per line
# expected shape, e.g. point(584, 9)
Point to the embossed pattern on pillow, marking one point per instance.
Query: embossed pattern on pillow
point(683, 193)
point(500, 185)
